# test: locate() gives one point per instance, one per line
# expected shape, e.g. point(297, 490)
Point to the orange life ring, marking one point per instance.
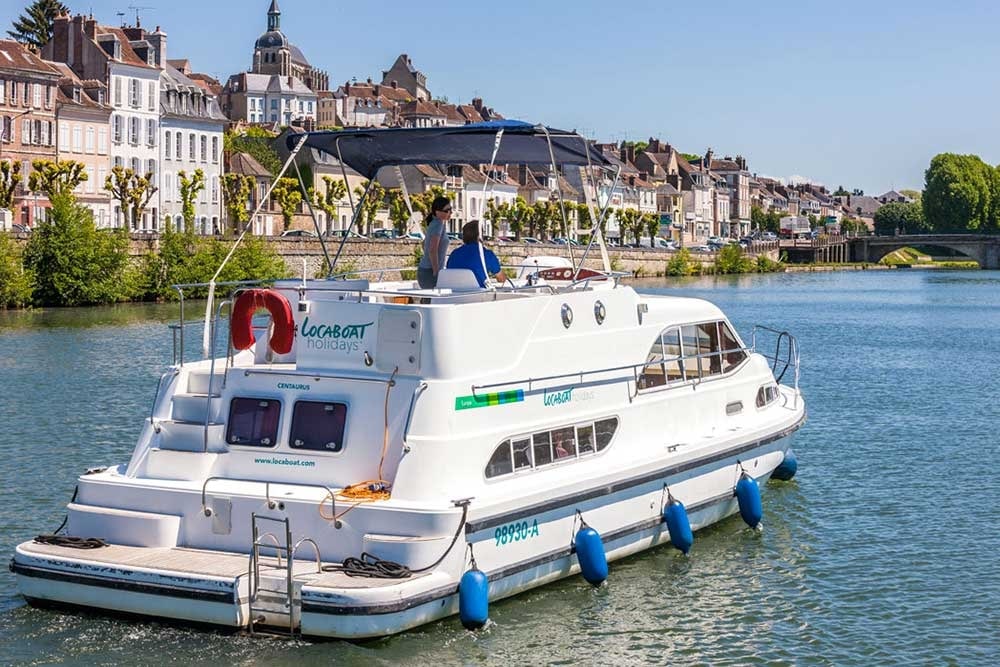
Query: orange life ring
point(248, 303)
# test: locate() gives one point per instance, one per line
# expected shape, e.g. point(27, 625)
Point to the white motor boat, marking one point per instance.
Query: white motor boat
point(376, 456)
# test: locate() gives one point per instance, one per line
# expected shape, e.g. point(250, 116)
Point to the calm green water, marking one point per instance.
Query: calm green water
point(883, 551)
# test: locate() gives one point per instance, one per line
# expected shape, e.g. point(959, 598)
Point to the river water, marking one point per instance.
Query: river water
point(882, 551)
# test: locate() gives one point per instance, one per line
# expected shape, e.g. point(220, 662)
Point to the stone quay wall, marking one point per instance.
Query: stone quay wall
point(368, 255)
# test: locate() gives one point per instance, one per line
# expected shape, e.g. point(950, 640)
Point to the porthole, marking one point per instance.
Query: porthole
point(567, 315)
point(600, 312)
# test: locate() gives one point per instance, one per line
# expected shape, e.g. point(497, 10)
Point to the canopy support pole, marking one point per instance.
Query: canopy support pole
point(308, 196)
point(562, 203)
point(355, 211)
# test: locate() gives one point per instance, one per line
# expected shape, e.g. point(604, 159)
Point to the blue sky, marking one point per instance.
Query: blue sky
point(855, 93)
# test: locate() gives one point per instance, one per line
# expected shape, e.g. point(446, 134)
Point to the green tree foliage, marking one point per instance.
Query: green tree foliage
point(915, 195)
point(329, 201)
point(628, 223)
point(904, 218)
point(959, 194)
point(74, 263)
point(189, 189)
point(584, 217)
point(496, 213)
point(132, 192)
point(10, 178)
point(34, 27)
point(422, 201)
point(732, 260)
point(681, 264)
point(185, 257)
point(256, 142)
point(518, 216)
point(399, 212)
point(841, 192)
point(691, 157)
point(54, 179)
point(16, 282)
point(288, 196)
point(651, 224)
point(370, 204)
point(765, 222)
point(236, 191)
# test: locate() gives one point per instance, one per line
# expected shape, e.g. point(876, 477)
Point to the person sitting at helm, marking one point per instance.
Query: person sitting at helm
point(467, 256)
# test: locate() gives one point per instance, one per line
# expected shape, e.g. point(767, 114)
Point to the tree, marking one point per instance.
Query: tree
point(56, 178)
point(74, 263)
point(583, 217)
point(496, 213)
point(652, 224)
point(542, 216)
point(422, 201)
point(519, 214)
point(841, 192)
point(691, 157)
point(329, 200)
point(628, 223)
point(370, 204)
point(236, 190)
point(256, 142)
point(189, 189)
point(16, 282)
point(899, 217)
point(399, 212)
point(915, 195)
point(131, 191)
point(957, 193)
point(10, 178)
point(34, 27)
point(288, 196)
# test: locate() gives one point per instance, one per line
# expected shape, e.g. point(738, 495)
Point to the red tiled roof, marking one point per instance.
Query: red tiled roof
point(128, 56)
point(13, 56)
point(420, 108)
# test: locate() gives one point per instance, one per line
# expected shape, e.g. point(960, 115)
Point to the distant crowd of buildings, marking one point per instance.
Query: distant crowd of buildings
point(110, 96)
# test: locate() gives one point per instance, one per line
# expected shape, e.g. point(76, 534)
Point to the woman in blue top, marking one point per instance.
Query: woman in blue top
point(435, 243)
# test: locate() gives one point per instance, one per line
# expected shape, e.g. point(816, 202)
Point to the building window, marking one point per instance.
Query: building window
point(177, 145)
point(137, 166)
point(135, 93)
point(204, 148)
point(118, 91)
point(102, 140)
point(192, 145)
point(215, 189)
point(151, 132)
point(215, 149)
point(36, 96)
point(77, 139)
point(168, 184)
point(64, 136)
point(90, 145)
point(274, 104)
point(166, 145)
point(151, 95)
point(134, 130)
point(3, 90)
point(151, 169)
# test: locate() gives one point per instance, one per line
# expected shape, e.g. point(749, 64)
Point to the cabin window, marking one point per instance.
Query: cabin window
point(690, 352)
point(766, 395)
point(318, 426)
point(253, 422)
point(540, 449)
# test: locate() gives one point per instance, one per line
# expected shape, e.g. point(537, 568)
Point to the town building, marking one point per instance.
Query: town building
point(83, 118)
point(281, 87)
point(191, 133)
point(263, 224)
point(128, 61)
point(404, 75)
point(28, 91)
point(734, 172)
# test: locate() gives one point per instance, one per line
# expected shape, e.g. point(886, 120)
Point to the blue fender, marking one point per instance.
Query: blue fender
point(787, 468)
point(473, 599)
point(679, 525)
point(748, 496)
point(590, 554)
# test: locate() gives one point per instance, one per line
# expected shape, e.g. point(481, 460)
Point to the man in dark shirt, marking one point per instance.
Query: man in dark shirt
point(467, 256)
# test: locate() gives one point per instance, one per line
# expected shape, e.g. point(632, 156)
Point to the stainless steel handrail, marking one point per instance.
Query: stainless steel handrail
point(319, 376)
point(156, 396)
point(419, 389)
point(211, 369)
point(791, 357)
point(277, 545)
point(319, 563)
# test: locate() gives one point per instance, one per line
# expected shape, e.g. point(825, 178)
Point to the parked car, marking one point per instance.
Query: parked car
point(529, 239)
point(20, 229)
point(703, 248)
point(341, 233)
point(455, 236)
point(769, 236)
point(563, 241)
point(718, 240)
point(384, 234)
point(298, 233)
point(418, 236)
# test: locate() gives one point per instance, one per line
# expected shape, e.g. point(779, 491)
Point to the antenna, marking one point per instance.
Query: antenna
point(136, 9)
point(121, 17)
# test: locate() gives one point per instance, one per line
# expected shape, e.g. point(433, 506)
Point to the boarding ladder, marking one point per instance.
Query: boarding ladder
point(275, 599)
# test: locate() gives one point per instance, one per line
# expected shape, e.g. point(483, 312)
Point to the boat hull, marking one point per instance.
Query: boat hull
point(628, 515)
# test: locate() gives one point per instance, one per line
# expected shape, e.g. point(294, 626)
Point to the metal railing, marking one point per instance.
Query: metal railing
point(271, 503)
point(785, 356)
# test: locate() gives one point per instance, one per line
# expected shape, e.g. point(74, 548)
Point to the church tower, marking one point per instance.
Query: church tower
point(272, 53)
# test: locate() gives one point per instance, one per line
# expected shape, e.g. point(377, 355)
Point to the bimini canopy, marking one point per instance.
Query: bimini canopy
point(368, 150)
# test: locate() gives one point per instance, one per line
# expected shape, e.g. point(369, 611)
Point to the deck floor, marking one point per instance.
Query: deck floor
point(204, 562)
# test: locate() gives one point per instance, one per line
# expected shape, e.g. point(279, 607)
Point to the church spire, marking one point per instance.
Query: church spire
point(273, 17)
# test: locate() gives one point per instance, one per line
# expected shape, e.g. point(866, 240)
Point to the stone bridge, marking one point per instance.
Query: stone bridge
point(983, 248)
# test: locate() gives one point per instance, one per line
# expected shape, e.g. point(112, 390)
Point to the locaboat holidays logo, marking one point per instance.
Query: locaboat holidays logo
point(571, 395)
point(338, 337)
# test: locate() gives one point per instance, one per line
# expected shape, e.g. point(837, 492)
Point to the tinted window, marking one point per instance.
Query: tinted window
point(318, 426)
point(708, 344)
point(564, 442)
point(585, 439)
point(500, 463)
point(522, 454)
point(605, 431)
point(543, 448)
point(253, 422)
point(732, 353)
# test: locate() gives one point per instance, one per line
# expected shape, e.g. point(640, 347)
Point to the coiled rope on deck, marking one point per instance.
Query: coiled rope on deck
point(72, 542)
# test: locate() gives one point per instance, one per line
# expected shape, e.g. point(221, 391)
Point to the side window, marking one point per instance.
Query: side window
point(708, 344)
point(318, 426)
point(544, 448)
point(605, 431)
point(732, 353)
point(766, 395)
point(501, 462)
point(663, 363)
point(689, 339)
point(253, 422)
